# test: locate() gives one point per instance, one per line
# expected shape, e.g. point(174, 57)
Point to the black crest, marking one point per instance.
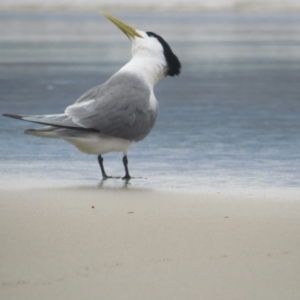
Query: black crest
point(173, 62)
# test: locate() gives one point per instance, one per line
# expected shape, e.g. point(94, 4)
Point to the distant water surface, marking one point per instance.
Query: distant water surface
point(230, 120)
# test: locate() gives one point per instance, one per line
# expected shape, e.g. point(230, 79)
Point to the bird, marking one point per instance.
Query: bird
point(123, 110)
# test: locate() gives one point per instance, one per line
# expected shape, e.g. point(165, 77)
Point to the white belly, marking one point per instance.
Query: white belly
point(95, 143)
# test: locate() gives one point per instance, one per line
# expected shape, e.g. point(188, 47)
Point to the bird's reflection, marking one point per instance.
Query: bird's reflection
point(105, 183)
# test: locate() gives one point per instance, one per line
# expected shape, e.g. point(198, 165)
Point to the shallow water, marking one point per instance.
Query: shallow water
point(230, 120)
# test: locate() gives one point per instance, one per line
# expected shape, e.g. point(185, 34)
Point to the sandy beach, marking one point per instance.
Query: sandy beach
point(90, 243)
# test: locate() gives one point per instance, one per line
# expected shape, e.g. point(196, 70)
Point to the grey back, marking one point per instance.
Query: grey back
point(118, 108)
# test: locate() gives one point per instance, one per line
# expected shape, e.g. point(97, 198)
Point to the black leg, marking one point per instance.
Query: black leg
point(100, 161)
point(125, 162)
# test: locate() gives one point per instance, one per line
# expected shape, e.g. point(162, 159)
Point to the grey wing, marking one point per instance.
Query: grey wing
point(119, 108)
point(62, 120)
point(93, 93)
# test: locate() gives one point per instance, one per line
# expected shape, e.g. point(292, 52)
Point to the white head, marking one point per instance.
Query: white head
point(150, 45)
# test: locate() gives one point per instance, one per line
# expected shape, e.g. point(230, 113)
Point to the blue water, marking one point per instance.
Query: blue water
point(230, 120)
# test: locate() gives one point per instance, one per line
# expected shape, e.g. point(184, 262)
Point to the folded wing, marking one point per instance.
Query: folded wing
point(118, 108)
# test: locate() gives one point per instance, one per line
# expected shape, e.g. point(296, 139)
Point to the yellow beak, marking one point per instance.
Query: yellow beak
point(129, 31)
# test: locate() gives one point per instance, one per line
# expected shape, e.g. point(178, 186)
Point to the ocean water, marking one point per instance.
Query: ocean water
point(230, 120)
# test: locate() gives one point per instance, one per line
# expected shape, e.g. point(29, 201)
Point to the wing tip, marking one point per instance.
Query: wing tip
point(13, 116)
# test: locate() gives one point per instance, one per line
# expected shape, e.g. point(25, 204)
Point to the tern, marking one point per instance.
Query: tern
point(112, 116)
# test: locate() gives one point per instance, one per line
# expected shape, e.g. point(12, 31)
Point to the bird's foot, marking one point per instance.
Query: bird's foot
point(126, 177)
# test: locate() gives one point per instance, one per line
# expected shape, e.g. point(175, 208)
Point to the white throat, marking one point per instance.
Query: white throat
point(151, 69)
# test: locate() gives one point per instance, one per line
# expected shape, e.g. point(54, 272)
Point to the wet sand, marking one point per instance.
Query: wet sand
point(86, 243)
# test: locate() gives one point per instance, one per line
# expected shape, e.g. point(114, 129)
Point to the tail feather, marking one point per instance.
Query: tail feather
point(46, 132)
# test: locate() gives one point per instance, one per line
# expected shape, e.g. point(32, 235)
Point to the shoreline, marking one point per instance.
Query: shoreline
point(140, 184)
